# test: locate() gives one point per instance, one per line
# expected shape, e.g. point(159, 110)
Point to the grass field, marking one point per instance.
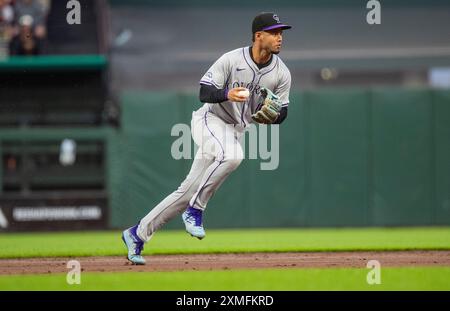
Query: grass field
point(268, 279)
point(78, 244)
point(226, 241)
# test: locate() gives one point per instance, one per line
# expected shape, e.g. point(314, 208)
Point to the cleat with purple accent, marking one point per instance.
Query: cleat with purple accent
point(134, 245)
point(192, 219)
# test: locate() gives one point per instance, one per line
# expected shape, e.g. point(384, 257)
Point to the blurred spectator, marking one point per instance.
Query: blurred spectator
point(6, 12)
point(30, 28)
point(6, 20)
point(45, 5)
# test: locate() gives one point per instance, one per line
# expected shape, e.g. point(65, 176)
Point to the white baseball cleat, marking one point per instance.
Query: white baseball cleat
point(134, 245)
point(192, 219)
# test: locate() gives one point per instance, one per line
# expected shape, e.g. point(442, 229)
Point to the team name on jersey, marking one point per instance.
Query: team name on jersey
point(253, 88)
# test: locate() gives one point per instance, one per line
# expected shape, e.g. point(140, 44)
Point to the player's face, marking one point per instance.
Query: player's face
point(272, 40)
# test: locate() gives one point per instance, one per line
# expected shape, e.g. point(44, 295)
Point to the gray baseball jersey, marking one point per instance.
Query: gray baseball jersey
point(237, 69)
point(207, 174)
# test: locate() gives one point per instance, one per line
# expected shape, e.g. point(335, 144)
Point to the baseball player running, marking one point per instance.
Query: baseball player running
point(244, 86)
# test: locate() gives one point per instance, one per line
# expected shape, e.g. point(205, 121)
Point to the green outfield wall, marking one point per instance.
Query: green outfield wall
point(378, 157)
point(347, 157)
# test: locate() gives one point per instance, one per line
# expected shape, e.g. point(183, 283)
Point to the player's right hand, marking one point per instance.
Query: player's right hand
point(234, 97)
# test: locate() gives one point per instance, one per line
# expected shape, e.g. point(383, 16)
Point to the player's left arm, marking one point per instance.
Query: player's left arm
point(282, 116)
point(282, 91)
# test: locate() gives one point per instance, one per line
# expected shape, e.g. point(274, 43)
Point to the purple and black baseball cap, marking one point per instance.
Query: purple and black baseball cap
point(268, 21)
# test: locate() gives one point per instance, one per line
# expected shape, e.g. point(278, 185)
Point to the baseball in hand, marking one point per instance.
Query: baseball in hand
point(245, 93)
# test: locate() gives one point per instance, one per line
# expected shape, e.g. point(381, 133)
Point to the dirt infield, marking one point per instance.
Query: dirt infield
point(229, 261)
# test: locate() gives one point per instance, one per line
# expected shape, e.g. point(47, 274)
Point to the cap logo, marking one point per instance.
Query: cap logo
point(275, 17)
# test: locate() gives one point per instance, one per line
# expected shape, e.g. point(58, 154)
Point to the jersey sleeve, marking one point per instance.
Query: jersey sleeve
point(283, 89)
point(218, 73)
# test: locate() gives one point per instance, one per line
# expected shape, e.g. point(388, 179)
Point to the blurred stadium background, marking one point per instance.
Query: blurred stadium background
point(86, 114)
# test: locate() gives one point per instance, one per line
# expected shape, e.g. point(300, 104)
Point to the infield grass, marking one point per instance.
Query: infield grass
point(430, 278)
point(109, 243)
